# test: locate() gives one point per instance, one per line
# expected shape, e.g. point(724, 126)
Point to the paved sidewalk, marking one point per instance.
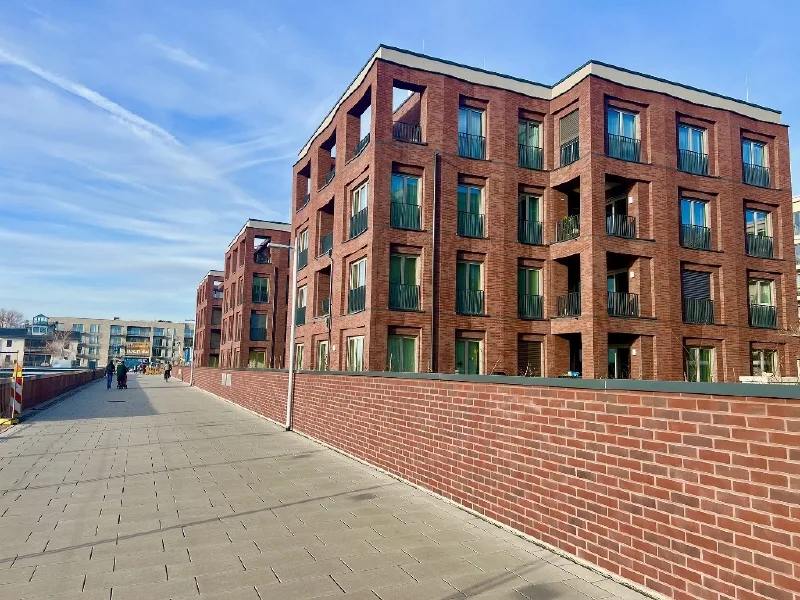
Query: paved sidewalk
point(161, 491)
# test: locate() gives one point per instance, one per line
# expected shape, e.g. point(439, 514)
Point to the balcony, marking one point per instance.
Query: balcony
point(758, 245)
point(530, 306)
point(696, 236)
point(755, 175)
point(302, 258)
point(621, 304)
point(623, 226)
point(403, 297)
point(470, 224)
point(405, 216)
point(699, 311)
point(358, 223)
point(300, 316)
point(763, 316)
point(304, 201)
point(569, 305)
point(331, 174)
point(531, 157)
point(357, 299)
point(569, 152)
point(471, 146)
point(258, 334)
point(326, 244)
point(624, 148)
point(530, 232)
point(693, 162)
point(362, 143)
point(407, 132)
point(469, 302)
point(568, 228)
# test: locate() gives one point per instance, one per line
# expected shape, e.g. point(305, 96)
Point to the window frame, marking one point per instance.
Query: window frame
point(696, 351)
point(359, 194)
point(762, 352)
point(693, 202)
point(355, 266)
point(527, 200)
point(524, 128)
point(403, 338)
point(467, 342)
point(621, 128)
point(468, 111)
point(302, 295)
point(355, 345)
point(302, 240)
point(403, 258)
point(760, 285)
point(468, 196)
point(752, 145)
point(404, 188)
point(689, 137)
point(299, 357)
point(470, 263)
point(320, 345)
point(527, 277)
point(767, 222)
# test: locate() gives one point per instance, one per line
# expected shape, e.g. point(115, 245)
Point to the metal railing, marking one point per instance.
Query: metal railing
point(403, 297)
point(470, 224)
point(471, 146)
point(693, 162)
point(755, 175)
point(764, 316)
point(624, 148)
point(759, 245)
point(258, 334)
point(530, 232)
point(568, 228)
point(569, 305)
point(469, 302)
point(696, 236)
point(261, 258)
point(331, 174)
point(407, 132)
point(530, 306)
point(304, 201)
point(362, 143)
point(405, 216)
point(569, 152)
point(300, 316)
point(622, 304)
point(357, 299)
point(698, 310)
point(621, 226)
point(530, 157)
point(260, 294)
point(358, 223)
point(302, 258)
point(326, 243)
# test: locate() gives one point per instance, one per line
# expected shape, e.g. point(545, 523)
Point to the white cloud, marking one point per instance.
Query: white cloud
point(177, 55)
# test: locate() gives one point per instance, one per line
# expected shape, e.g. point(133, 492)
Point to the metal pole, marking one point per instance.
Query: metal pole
point(290, 386)
point(194, 345)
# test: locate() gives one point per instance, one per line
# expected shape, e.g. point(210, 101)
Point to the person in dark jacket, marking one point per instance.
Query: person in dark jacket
point(122, 375)
point(109, 373)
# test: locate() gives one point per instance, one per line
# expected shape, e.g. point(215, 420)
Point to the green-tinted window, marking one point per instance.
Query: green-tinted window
point(402, 356)
point(528, 282)
point(699, 364)
point(470, 199)
point(468, 357)
point(405, 189)
point(403, 269)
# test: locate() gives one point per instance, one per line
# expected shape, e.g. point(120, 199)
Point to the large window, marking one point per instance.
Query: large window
point(258, 327)
point(796, 218)
point(469, 287)
point(302, 249)
point(699, 364)
point(530, 144)
point(260, 289)
point(623, 135)
point(469, 356)
point(299, 358)
point(403, 284)
point(470, 211)
point(758, 233)
point(322, 356)
point(695, 231)
point(302, 296)
point(355, 353)
point(761, 292)
point(691, 138)
point(754, 153)
point(358, 208)
point(357, 295)
point(257, 359)
point(405, 206)
point(530, 222)
point(402, 354)
point(529, 293)
point(471, 140)
point(763, 362)
point(694, 212)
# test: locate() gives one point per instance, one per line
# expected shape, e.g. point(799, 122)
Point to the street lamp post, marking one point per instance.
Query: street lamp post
point(194, 345)
point(290, 386)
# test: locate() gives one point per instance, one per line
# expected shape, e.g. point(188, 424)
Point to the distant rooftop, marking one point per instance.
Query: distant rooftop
point(259, 224)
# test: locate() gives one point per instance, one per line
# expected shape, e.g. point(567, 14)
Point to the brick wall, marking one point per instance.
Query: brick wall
point(690, 494)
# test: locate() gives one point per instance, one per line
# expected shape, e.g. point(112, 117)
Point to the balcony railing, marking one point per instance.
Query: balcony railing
point(304, 201)
point(621, 304)
point(470, 224)
point(755, 175)
point(698, 310)
point(357, 299)
point(325, 307)
point(759, 245)
point(621, 226)
point(530, 306)
point(696, 236)
point(260, 294)
point(407, 132)
point(258, 334)
point(326, 243)
point(358, 223)
point(568, 228)
point(530, 157)
point(471, 146)
point(261, 258)
point(625, 148)
point(693, 162)
point(569, 305)
point(763, 315)
point(530, 232)
point(403, 297)
point(469, 302)
point(302, 258)
point(569, 152)
point(405, 216)
point(331, 174)
point(362, 143)
point(300, 316)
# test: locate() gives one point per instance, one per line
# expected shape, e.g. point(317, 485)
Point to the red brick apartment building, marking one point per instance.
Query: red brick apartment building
point(613, 224)
point(256, 280)
point(208, 320)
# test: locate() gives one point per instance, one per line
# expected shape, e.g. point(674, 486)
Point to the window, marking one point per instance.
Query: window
point(260, 289)
point(471, 140)
point(360, 198)
point(695, 231)
point(357, 296)
point(622, 123)
point(758, 222)
point(528, 282)
point(77, 327)
point(257, 359)
point(94, 328)
point(469, 287)
point(8, 343)
point(116, 330)
point(299, 358)
point(468, 356)
point(530, 144)
point(258, 327)
point(405, 210)
point(358, 218)
point(470, 211)
point(302, 249)
point(763, 362)
point(698, 307)
point(619, 362)
point(530, 223)
point(796, 217)
point(302, 297)
point(355, 353)
point(699, 364)
point(402, 354)
point(569, 130)
point(403, 286)
point(761, 292)
point(691, 138)
point(529, 358)
point(322, 356)
point(623, 135)
point(754, 153)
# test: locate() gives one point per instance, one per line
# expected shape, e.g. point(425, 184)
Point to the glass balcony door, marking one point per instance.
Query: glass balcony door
point(470, 211)
point(403, 282)
point(468, 356)
point(402, 354)
point(405, 202)
point(699, 364)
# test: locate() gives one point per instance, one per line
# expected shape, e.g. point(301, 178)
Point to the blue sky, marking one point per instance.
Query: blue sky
point(137, 136)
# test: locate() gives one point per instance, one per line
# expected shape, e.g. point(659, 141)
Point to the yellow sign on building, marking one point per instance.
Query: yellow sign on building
point(137, 348)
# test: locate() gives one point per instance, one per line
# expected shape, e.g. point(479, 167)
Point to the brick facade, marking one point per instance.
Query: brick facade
point(652, 261)
point(689, 493)
point(248, 257)
point(208, 320)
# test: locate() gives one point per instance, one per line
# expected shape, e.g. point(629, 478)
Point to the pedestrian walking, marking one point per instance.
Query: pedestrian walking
point(109, 373)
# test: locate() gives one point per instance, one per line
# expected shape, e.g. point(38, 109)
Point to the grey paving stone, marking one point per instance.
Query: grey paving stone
point(589, 589)
point(428, 590)
point(313, 587)
point(377, 560)
point(333, 566)
point(222, 582)
point(117, 579)
point(441, 569)
point(367, 580)
point(179, 588)
point(551, 591)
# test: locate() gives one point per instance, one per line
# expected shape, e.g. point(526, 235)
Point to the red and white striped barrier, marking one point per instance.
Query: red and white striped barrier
point(16, 393)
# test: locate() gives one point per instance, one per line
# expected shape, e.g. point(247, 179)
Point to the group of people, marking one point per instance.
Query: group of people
point(122, 369)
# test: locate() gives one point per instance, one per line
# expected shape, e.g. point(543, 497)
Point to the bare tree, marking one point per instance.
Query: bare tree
point(10, 317)
point(59, 343)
